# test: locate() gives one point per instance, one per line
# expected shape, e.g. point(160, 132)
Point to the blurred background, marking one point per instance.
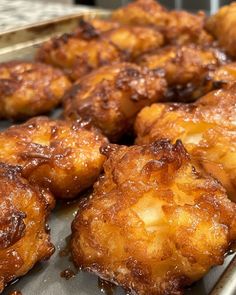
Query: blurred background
point(17, 13)
point(209, 6)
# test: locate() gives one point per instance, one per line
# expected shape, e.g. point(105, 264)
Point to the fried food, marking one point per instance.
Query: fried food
point(178, 27)
point(85, 55)
point(142, 12)
point(28, 89)
point(184, 28)
point(222, 26)
point(80, 54)
point(135, 40)
point(61, 156)
point(207, 129)
point(24, 239)
point(221, 77)
point(112, 96)
point(154, 224)
point(185, 68)
point(130, 42)
point(94, 26)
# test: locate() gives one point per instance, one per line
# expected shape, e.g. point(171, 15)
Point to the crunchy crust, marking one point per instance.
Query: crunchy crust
point(178, 27)
point(87, 49)
point(184, 28)
point(28, 89)
point(186, 69)
point(91, 27)
point(154, 224)
point(222, 26)
point(62, 156)
point(112, 96)
point(221, 77)
point(207, 129)
point(24, 239)
point(142, 12)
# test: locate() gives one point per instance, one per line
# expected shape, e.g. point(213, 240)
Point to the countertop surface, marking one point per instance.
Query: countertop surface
point(17, 13)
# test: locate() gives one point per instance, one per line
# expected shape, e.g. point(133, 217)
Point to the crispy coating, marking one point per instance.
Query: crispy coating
point(96, 26)
point(142, 12)
point(221, 77)
point(222, 26)
point(153, 224)
point(135, 40)
point(70, 51)
point(207, 129)
point(128, 41)
point(62, 156)
point(185, 69)
point(82, 52)
point(112, 96)
point(178, 27)
point(24, 239)
point(184, 28)
point(28, 89)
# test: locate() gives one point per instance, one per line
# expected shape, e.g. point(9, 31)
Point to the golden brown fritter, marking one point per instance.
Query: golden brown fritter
point(184, 28)
point(81, 53)
point(153, 224)
point(185, 69)
point(24, 239)
point(142, 12)
point(68, 50)
point(129, 43)
point(28, 89)
point(112, 96)
point(62, 156)
point(222, 26)
point(207, 129)
point(135, 40)
point(178, 27)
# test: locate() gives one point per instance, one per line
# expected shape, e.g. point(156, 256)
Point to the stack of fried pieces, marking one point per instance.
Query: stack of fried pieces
point(162, 212)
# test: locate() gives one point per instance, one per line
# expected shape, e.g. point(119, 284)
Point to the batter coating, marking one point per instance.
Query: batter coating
point(61, 156)
point(185, 68)
point(154, 224)
point(80, 53)
point(28, 89)
point(24, 239)
point(221, 77)
point(222, 26)
point(94, 26)
point(207, 129)
point(178, 27)
point(112, 96)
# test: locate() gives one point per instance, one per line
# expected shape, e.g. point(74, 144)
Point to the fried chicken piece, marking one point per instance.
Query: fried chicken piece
point(185, 69)
point(222, 26)
point(112, 96)
point(62, 156)
point(207, 129)
point(178, 27)
point(153, 224)
point(88, 50)
point(24, 237)
point(28, 89)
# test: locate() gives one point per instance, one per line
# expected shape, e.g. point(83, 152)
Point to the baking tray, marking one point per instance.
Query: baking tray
point(48, 278)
